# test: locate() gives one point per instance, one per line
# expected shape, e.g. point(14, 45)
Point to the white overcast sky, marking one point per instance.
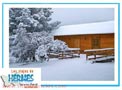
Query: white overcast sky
point(82, 15)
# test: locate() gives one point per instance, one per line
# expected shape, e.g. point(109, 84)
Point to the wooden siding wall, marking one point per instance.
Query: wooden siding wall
point(85, 41)
point(107, 41)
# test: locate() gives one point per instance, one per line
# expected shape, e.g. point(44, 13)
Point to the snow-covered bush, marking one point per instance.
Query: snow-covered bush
point(41, 38)
point(57, 45)
point(41, 53)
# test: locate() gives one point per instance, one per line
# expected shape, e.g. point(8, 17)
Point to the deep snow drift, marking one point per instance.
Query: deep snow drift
point(76, 69)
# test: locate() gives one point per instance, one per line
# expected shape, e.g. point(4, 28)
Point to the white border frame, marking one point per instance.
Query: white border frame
point(63, 5)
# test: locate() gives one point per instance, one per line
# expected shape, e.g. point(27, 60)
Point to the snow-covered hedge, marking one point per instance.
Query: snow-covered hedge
point(41, 53)
point(54, 46)
point(57, 45)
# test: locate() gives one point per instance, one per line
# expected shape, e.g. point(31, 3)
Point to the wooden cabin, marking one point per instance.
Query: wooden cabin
point(87, 36)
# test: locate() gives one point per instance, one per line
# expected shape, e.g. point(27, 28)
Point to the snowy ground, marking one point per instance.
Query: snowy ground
point(77, 69)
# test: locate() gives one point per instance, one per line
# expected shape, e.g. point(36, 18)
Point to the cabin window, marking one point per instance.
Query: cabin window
point(96, 43)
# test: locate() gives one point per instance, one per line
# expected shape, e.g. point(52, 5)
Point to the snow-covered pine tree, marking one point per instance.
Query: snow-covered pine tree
point(31, 27)
point(13, 13)
point(21, 46)
point(35, 19)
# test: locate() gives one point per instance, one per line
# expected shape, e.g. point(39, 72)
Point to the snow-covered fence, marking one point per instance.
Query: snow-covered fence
point(104, 59)
point(69, 53)
point(99, 53)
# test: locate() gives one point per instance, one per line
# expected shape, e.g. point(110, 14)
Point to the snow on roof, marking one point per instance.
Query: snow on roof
point(90, 28)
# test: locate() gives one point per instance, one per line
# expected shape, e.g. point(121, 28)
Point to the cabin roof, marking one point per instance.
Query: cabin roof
point(90, 28)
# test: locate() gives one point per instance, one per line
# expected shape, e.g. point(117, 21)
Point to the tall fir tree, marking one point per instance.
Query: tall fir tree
point(31, 28)
point(33, 19)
